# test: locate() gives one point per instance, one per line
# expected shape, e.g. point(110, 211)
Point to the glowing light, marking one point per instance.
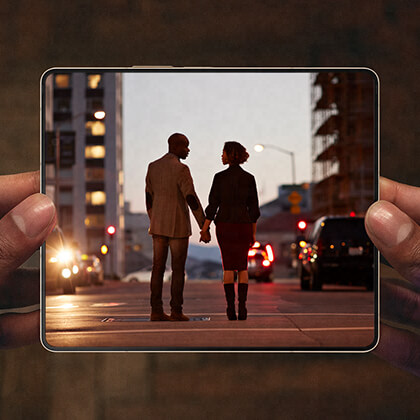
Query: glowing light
point(259, 148)
point(302, 244)
point(352, 214)
point(256, 245)
point(332, 246)
point(302, 224)
point(266, 263)
point(53, 260)
point(99, 115)
point(89, 269)
point(251, 252)
point(66, 273)
point(75, 269)
point(104, 250)
point(64, 256)
point(270, 253)
point(110, 230)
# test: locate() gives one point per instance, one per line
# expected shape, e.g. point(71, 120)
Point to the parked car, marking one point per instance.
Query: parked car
point(92, 269)
point(260, 262)
point(61, 269)
point(144, 275)
point(339, 251)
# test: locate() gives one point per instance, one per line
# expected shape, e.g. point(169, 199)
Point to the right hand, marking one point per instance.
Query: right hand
point(393, 225)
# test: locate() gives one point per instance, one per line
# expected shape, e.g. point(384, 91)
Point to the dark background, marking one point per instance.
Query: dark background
point(381, 34)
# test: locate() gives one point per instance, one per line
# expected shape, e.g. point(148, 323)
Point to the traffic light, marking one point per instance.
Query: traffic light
point(352, 214)
point(302, 225)
point(104, 249)
point(110, 230)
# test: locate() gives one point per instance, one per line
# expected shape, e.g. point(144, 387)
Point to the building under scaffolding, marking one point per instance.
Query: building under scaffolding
point(343, 141)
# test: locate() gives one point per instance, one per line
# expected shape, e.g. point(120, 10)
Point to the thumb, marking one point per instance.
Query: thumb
point(397, 237)
point(23, 230)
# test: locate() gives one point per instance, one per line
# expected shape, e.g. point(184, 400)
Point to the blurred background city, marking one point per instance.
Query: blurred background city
point(310, 137)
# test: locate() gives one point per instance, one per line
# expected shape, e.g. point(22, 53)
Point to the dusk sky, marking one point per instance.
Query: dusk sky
point(211, 108)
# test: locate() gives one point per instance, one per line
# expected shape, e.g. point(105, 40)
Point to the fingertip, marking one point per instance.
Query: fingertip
point(388, 224)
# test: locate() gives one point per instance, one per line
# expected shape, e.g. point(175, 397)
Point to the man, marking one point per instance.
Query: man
point(169, 193)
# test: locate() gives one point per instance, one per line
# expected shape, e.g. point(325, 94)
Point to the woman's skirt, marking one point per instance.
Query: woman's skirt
point(234, 240)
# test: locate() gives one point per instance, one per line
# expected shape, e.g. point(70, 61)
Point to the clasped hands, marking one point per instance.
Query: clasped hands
point(205, 236)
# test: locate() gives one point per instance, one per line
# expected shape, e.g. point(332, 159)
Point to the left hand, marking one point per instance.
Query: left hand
point(27, 218)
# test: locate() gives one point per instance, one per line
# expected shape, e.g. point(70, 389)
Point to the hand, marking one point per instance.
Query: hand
point(205, 236)
point(27, 218)
point(393, 226)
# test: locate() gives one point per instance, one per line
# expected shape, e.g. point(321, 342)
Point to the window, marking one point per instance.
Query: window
point(94, 152)
point(62, 81)
point(94, 81)
point(94, 174)
point(94, 104)
point(95, 220)
point(96, 198)
point(95, 128)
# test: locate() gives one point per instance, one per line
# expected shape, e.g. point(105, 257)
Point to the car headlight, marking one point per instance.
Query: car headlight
point(75, 269)
point(64, 256)
point(66, 273)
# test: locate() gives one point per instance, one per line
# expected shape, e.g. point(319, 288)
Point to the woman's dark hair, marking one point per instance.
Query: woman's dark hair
point(236, 153)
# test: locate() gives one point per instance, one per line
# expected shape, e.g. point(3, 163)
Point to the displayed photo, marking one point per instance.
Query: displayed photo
point(210, 209)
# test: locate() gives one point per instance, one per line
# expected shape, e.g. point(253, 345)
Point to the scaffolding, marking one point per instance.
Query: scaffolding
point(343, 139)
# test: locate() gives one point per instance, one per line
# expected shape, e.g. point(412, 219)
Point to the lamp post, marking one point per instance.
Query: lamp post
point(260, 147)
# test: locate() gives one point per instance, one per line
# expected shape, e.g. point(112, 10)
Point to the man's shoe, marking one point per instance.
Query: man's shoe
point(159, 316)
point(178, 316)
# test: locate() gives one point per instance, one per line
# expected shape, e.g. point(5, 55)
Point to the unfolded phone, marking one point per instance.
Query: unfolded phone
point(312, 140)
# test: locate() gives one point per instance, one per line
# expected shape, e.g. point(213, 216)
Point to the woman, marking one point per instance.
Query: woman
point(233, 205)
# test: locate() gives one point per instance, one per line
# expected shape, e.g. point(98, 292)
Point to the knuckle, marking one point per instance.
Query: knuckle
point(7, 252)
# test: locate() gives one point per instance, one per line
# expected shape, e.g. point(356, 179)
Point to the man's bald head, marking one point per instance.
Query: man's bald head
point(178, 145)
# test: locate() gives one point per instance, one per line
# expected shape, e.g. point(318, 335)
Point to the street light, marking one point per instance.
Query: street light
point(260, 147)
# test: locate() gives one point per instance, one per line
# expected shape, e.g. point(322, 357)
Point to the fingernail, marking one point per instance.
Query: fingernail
point(388, 223)
point(33, 215)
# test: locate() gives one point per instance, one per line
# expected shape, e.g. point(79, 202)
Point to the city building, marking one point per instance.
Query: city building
point(83, 155)
point(343, 139)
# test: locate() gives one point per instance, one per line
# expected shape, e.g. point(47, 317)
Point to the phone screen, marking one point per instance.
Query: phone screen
point(311, 138)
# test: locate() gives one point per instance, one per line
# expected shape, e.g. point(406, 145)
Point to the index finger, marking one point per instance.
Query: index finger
point(15, 188)
point(405, 197)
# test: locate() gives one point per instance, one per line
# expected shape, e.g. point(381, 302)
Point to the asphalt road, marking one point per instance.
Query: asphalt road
point(280, 317)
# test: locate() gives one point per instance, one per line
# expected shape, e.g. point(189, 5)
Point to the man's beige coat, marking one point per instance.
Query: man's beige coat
point(169, 184)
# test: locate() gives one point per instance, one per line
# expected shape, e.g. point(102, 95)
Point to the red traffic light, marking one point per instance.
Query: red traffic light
point(110, 230)
point(302, 225)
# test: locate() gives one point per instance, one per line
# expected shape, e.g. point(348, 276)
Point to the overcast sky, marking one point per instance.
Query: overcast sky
point(211, 108)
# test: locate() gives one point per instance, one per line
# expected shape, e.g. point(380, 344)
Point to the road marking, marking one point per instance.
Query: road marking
point(211, 330)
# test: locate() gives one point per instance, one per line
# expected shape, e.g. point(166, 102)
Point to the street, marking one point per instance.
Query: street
point(280, 316)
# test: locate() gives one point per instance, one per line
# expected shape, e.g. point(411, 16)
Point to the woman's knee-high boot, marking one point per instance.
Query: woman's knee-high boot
point(242, 295)
point(230, 299)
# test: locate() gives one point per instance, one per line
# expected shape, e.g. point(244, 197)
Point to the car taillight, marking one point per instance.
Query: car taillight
point(270, 253)
point(266, 263)
point(252, 253)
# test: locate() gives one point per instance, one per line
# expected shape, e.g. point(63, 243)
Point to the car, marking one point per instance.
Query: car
point(93, 269)
point(260, 262)
point(61, 269)
point(338, 251)
point(144, 275)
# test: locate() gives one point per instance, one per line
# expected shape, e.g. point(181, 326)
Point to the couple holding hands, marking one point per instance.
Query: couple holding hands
point(233, 206)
